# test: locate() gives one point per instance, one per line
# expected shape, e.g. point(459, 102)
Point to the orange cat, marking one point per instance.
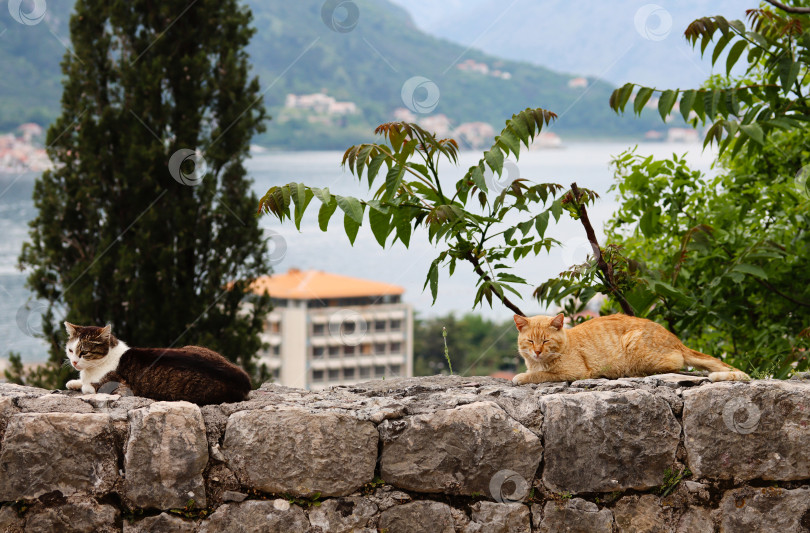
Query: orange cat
point(607, 347)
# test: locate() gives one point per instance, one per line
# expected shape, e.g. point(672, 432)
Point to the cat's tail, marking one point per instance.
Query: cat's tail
point(720, 371)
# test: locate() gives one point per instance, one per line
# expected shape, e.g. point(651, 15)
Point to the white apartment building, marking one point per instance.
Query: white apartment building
point(327, 329)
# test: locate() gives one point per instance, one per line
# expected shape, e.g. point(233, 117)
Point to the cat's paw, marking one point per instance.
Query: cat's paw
point(88, 389)
point(74, 384)
point(521, 379)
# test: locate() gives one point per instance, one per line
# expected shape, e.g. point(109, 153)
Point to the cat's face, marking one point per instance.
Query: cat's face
point(87, 346)
point(541, 339)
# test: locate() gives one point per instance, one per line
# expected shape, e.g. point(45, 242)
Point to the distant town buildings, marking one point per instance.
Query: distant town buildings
point(474, 134)
point(402, 114)
point(578, 83)
point(686, 135)
point(327, 329)
point(545, 140)
point(470, 135)
point(439, 125)
point(320, 103)
point(470, 65)
point(24, 153)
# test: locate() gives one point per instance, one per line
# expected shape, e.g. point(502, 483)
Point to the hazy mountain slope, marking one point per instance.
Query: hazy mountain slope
point(370, 64)
point(294, 51)
point(591, 37)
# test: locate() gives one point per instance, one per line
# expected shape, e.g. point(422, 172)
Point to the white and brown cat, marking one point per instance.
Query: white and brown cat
point(191, 373)
point(607, 347)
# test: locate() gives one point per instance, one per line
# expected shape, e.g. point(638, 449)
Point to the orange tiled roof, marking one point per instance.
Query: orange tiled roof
point(311, 284)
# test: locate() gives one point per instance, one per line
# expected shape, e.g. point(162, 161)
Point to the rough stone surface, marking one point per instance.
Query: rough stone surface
point(748, 431)
point(12, 390)
point(634, 514)
point(76, 517)
point(418, 517)
point(489, 517)
point(612, 440)
point(575, 516)
point(166, 454)
point(255, 516)
point(63, 452)
point(299, 452)
point(7, 409)
point(696, 520)
point(343, 515)
point(765, 510)
point(457, 451)
point(53, 403)
point(162, 523)
point(10, 521)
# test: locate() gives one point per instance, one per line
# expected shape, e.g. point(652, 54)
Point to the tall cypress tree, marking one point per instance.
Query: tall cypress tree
point(161, 247)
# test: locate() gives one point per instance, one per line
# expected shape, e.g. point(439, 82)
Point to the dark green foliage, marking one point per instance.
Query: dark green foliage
point(117, 239)
point(768, 97)
point(467, 221)
point(723, 261)
point(476, 346)
point(15, 372)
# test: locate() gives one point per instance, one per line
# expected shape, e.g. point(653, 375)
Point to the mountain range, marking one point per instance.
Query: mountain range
point(619, 41)
point(369, 55)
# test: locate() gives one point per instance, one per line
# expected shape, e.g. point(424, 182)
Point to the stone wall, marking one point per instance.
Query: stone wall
point(670, 453)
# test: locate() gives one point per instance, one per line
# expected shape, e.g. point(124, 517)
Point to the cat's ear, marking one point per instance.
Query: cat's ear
point(557, 322)
point(521, 322)
point(70, 328)
point(106, 331)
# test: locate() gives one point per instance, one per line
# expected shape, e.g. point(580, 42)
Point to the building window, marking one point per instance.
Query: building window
point(317, 375)
point(347, 328)
point(318, 329)
point(379, 371)
point(379, 348)
point(379, 325)
point(276, 350)
point(365, 372)
point(396, 325)
point(365, 349)
point(317, 352)
point(276, 374)
point(334, 374)
point(396, 347)
point(395, 370)
point(348, 350)
point(348, 373)
point(334, 352)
